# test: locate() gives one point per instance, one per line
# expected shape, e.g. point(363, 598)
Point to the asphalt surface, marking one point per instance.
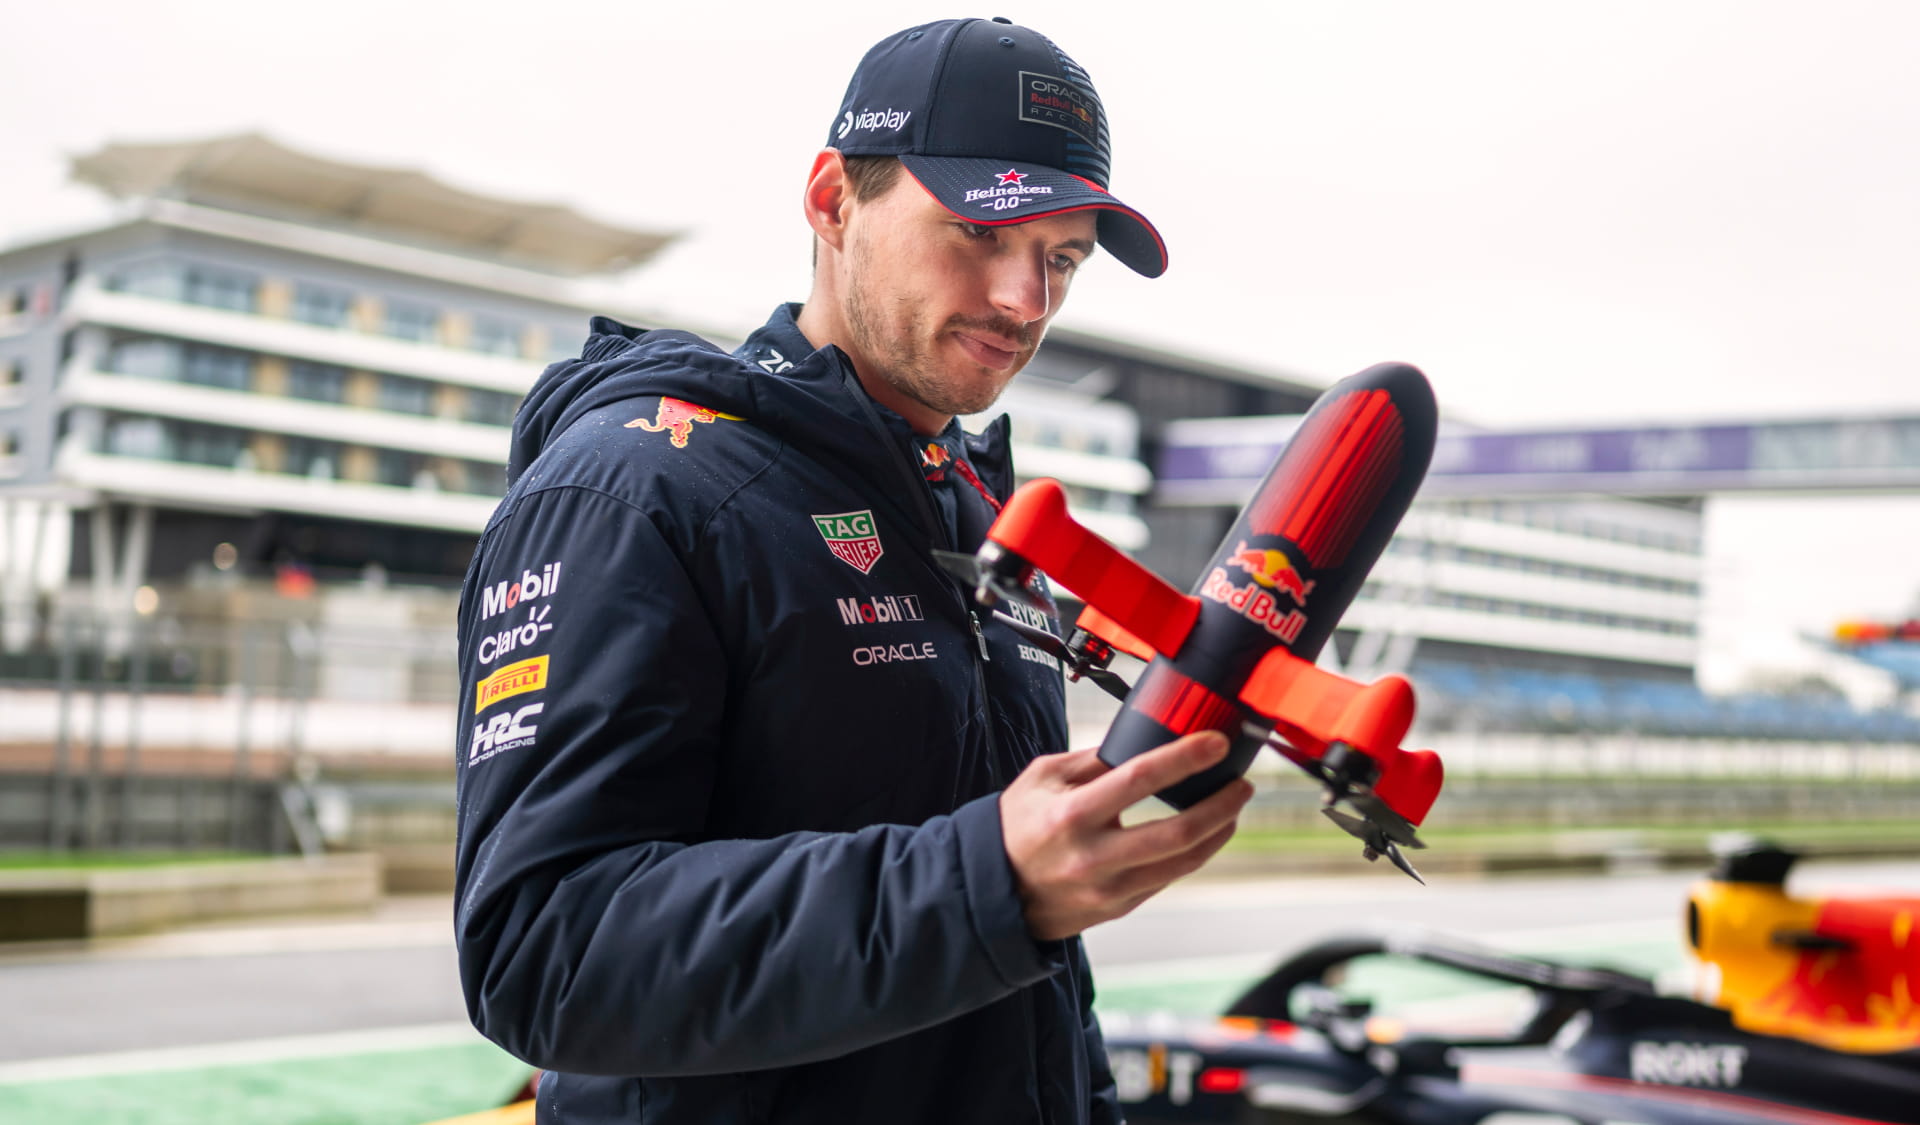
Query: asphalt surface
point(395, 970)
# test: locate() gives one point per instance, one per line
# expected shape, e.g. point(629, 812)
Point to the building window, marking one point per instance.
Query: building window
point(147, 359)
point(176, 441)
point(398, 467)
point(208, 445)
point(405, 396)
point(13, 379)
point(409, 320)
point(494, 336)
point(484, 478)
point(321, 305)
point(136, 437)
point(317, 382)
point(491, 408)
point(307, 457)
point(220, 289)
point(162, 279)
point(217, 367)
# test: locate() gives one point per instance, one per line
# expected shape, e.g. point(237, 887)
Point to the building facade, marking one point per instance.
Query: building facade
point(274, 364)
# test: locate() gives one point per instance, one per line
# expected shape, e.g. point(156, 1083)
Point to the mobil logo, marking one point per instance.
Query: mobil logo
point(879, 609)
point(532, 585)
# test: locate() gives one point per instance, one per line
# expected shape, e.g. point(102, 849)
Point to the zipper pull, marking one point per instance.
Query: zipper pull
point(980, 635)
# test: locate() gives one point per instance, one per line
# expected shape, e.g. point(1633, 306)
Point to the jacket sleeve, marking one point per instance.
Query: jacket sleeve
point(599, 932)
point(1103, 1097)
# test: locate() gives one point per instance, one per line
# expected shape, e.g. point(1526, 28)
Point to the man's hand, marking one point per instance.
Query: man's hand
point(1076, 865)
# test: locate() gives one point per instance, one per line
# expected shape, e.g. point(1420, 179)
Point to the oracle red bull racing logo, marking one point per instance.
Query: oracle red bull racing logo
point(933, 461)
point(676, 418)
point(1260, 601)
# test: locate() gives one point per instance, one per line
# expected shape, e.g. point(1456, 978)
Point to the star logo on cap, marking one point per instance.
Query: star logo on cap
point(1011, 176)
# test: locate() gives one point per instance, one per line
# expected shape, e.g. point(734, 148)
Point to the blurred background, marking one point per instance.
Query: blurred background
point(272, 284)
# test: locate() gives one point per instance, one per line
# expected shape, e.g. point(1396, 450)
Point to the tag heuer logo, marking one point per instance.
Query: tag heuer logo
point(852, 538)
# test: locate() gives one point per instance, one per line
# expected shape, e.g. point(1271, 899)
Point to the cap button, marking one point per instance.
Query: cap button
point(1002, 19)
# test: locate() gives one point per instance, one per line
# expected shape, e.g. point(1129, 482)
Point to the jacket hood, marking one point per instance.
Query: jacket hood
point(776, 380)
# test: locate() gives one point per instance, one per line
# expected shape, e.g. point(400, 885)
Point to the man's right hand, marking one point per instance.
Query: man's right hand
point(1075, 863)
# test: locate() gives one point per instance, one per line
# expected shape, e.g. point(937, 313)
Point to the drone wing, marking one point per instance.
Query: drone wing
point(1314, 709)
point(1135, 609)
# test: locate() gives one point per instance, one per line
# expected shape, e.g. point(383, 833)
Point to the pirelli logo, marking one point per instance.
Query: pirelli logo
point(514, 679)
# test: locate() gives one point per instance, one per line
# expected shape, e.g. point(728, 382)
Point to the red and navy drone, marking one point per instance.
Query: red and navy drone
point(1237, 654)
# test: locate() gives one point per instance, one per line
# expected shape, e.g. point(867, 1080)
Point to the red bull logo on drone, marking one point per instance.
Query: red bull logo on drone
point(1273, 570)
point(1260, 601)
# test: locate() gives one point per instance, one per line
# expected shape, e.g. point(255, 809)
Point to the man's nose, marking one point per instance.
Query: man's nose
point(1020, 286)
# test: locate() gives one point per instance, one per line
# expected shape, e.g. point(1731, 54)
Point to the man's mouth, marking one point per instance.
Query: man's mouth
point(996, 352)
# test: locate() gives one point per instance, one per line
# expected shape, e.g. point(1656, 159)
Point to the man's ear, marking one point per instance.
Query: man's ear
point(827, 197)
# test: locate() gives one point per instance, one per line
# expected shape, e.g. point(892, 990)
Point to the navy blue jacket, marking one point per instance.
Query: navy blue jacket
point(729, 759)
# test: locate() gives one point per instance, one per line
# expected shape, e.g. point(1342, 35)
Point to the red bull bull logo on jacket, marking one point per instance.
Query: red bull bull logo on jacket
point(676, 417)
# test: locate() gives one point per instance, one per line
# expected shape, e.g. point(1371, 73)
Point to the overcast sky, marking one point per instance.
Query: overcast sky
point(1633, 211)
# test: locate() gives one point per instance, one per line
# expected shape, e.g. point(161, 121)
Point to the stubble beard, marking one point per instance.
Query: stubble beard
point(903, 357)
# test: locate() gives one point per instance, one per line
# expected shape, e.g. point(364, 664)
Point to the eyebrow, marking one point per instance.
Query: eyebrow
point(1084, 245)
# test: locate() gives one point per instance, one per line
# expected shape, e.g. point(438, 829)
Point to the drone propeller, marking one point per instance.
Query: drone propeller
point(1348, 777)
point(1374, 841)
point(1079, 662)
point(1002, 578)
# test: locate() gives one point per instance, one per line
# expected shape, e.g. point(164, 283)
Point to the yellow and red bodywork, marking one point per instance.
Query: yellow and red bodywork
point(1838, 972)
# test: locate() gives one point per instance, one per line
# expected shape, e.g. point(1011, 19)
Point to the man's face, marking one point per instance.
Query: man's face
point(945, 311)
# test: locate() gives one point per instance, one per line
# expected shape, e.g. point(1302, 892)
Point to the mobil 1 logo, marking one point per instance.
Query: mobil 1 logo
point(534, 587)
point(879, 609)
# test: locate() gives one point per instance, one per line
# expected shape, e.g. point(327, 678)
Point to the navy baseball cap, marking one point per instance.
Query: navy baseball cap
point(997, 124)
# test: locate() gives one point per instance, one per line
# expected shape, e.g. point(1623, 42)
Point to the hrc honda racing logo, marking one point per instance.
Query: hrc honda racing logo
point(1009, 193)
point(506, 730)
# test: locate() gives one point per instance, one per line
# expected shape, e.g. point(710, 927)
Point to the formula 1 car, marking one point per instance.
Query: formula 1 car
point(1560, 1045)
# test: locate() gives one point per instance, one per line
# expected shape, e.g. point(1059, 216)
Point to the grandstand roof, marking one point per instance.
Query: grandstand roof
point(249, 172)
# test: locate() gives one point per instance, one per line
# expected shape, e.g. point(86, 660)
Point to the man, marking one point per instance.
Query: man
point(760, 818)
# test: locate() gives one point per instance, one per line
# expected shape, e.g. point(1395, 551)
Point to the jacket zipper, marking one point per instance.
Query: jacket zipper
point(929, 520)
point(917, 488)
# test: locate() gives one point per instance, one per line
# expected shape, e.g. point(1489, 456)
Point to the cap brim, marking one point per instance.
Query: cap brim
point(996, 193)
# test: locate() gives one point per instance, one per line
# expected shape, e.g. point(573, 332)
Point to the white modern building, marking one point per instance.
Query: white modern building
point(272, 360)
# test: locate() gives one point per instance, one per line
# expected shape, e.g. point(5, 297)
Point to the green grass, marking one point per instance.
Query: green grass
point(398, 1088)
point(107, 861)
